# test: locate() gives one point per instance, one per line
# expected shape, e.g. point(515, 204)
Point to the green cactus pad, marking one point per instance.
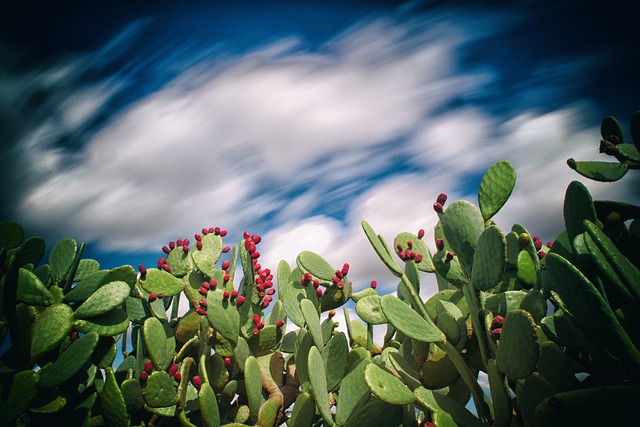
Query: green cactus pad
point(526, 269)
point(87, 286)
point(113, 405)
point(519, 345)
point(110, 324)
point(303, 345)
point(179, 261)
point(587, 306)
point(253, 384)
point(438, 371)
point(269, 412)
point(418, 247)
point(291, 298)
point(608, 405)
point(160, 391)
point(11, 234)
point(555, 367)
point(599, 171)
point(334, 357)
point(51, 327)
point(496, 187)
point(69, 362)
point(266, 341)
point(316, 265)
point(105, 299)
point(304, 410)
point(501, 395)
point(158, 339)
point(354, 392)
point(318, 379)
point(312, 321)
point(357, 296)
point(16, 394)
point(105, 352)
point(452, 323)
point(489, 259)
point(204, 262)
point(223, 315)
point(31, 252)
point(407, 321)
point(375, 412)
point(610, 126)
point(132, 395)
point(369, 310)
point(446, 411)
point(504, 302)
point(61, 258)
point(161, 282)
point(529, 393)
point(387, 387)
point(86, 267)
point(578, 206)
point(453, 296)
point(381, 249)
point(31, 290)
point(462, 224)
point(208, 406)
point(405, 370)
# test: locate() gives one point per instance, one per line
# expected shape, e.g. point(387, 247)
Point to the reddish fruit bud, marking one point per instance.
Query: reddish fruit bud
point(152, 297)
point(199, 245)
point(166, 268)
point(161, 262)
point(418, 258)
point(223, 233)
point(142, 269)
point(437, 207)
point(166, 250)
point(148, 366)
point(260, 325)
point(319, 292)
point(256, 265)
point(280, 323)
point(541, 254)
point(74, 335)
point(345, 269)
point(226, 249)
point(226, 295)
point(185, 248)
point(614, 139)
point(374, 284)
point(495, 334)
point(227, 361)
point(234, 294)
point(216, 230)
point(144, 376)
point(316, 283)
point(177, 376)
point(246, 235)
point(402, 256)
point(213, 283)
point(442, 199)
point(537, 244)
point(497, 322)
point(226, 278)
point(203, 291)
point(203, 303)
point(335, 280)
point(240, 301)
point(420, 233)
point(201, 311)
point(225, 264)
point(186, 242)
point(255, 255)
point(410, 244)
point(172, 245)
point(212, 230)
point(179, 242)
point(160, 296)
point(399, 247)
point(271, 291)
point(256, 239)
point(206, 285)
point(256, 332)
point(256, 319)
point(260, 295)
point(172, 369)
point(549, 245)
point(340, 285)
point(338, 274)
point(450, 256)
point(205, 231)
point(332, 313)
point(440, 244)
point(197, 237)
point(408, 254)
point(265, 303)
point(197, 382)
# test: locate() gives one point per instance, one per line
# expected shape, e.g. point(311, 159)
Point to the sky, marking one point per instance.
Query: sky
point(127, 125)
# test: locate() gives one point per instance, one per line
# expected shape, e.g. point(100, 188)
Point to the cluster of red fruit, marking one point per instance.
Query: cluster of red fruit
point(148, 369)
point(337, 280)
point(408, 254)
point(538, 245)
point(259, 324)
point(264, 278)
point(496, 327)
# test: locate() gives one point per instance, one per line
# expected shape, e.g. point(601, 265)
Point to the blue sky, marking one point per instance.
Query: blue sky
point(130, 126)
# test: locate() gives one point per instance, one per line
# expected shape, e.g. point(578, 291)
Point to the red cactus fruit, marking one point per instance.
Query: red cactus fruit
point(340, 285)
point(179, 242)
point(280, 323)
point(185, 248)
point(246, 235)
point(335, 280)
point(410, 244)
point(177, 376)
point(199, 245)
point(256, 319)
point(319, 292)
point(331, 313)
point(166, 268)
point(374, 284)
point(256, 239)
point(213, 283)
point(223, 233)
point(450, 256)
point(438, 207)
point(205, 231)
point(160, 296)
point(261, 294)
point(206, 285)
point(402, 256)
point(541, 254)
point(420, 233)
point(270, 291)
point(345, 269)
point(166, 250)
point(152, 297)
point(142, 269)
point(234, 294)
point(201, 311)
point(316, 283)
point(225, 264)
point(186, 242)
point(497, 322)
point(172, 369)
point(240, 301)
point(227, 361)
point(161, 262)
point(197, 382)
point(226, 278)
point(495, 334)
point(408, 254)
point(172, 245)
point(338, 274)
point(211, 230)
point(440, 244)
point(256, 265)
point(148, 366)
point(549, 245)
point(203, 303)
point(266, 302)
point(256, 332)
point(144, 376)
point(226, 294)
point(226, 249)
point(442, 199)
point(260, 325)
point(418, 258)
point(74, 335)
point(217, 230)
point(537, 244)
point(203, 291)
point(197, 237)
point(399, 247)
point(255, 255)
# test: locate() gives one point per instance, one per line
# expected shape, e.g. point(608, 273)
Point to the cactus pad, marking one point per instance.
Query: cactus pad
point(519, 345)
point(105, 299)
point(496, 187)
point(407, 321)
point(489, 259)
point(160, 391)
point(69, 362)
point(161, 282)
point(51, 327)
